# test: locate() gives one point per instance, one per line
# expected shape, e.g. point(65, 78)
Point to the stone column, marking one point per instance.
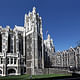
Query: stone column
point(4, 50)
point(18, 68)
point(76, 58)
point(67, 59)
point(42, 54)
point(62, 59)
point(36, 51)
point(17, 52)
point(4, 67)
point(24, 43)
point(33, 52)
point(35, 44)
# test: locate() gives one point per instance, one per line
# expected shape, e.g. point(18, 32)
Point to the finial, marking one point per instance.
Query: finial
point(70, 46)
point(40, 18)
point(0, 26)
point(25, 15)
point(29, 14)
point(52, 41)
point(7, 26)
point(34, 10)
point(25, 18)
point(48, 36)
point(38, 14)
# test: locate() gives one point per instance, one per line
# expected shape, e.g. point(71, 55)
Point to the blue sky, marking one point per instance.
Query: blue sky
point(60, 17)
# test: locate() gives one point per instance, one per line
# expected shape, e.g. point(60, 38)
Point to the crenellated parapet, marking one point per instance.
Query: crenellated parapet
point(33, 22)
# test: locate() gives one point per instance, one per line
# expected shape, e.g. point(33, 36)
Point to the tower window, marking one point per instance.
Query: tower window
point(11, 60)
point(1, 60)
point(15, 60)
point(7, 60)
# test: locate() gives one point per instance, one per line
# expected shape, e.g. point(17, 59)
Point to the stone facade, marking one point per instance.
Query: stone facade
point(23, 50)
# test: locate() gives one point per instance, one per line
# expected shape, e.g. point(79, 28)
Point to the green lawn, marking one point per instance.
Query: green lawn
point(27, 77)
point(49, 75)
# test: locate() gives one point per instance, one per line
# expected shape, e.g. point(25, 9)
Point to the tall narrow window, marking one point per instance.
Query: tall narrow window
point(14, 44)
point(15, 60)
point(10, 43)
point(7, 60)
point(20, 43)
point(11, 60)
point(1, 60)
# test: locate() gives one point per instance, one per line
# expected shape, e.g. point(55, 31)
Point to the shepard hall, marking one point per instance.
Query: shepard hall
point(24, 51)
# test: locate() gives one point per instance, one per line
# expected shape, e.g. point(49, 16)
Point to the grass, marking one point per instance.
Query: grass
point(49, 75)
point(17, 77)
point(27, 77)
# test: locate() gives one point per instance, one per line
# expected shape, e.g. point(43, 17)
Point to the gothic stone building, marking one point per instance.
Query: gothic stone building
point(23, 50)
point(67, 59)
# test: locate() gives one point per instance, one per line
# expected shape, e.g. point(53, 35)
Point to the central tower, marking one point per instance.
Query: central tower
point(33, 42)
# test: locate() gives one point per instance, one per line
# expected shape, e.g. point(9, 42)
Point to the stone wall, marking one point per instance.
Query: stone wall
point(51, 71)
point(66, 59)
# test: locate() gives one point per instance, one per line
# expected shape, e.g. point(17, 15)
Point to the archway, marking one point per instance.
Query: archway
point(11, 72)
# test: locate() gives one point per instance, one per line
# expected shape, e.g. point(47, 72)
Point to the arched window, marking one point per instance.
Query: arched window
point(11, 72)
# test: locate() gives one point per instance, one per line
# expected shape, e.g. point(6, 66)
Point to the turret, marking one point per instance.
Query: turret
point(49, 44)
point(33, 22)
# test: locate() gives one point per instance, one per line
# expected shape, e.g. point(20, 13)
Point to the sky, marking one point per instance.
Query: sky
point(60, 17)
